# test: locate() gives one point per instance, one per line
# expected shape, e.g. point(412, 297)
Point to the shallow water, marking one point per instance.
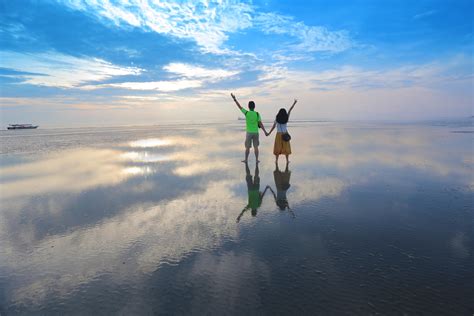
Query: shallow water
point(138, 220)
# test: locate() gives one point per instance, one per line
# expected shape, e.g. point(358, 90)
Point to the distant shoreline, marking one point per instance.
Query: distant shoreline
point(190, 123)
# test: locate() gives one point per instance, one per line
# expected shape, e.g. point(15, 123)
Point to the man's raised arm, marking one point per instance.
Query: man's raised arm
point(235, 100)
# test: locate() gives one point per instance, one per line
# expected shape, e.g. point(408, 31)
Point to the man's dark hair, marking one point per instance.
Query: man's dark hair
point(282, 116)
point(251, 105)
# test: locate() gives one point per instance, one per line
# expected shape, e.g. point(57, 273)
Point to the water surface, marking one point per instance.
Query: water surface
point(367, 218)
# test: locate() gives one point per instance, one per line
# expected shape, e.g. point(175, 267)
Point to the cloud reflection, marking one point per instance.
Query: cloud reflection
point(164, 233)
point(194, 189)
point(68, 171)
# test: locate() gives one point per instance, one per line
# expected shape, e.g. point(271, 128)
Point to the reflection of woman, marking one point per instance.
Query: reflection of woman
point(281, 146)
point(282, 184)
point(255, 197)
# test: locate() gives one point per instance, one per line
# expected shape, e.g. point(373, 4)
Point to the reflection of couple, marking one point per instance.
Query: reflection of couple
point(255, 197)
point(253, 121)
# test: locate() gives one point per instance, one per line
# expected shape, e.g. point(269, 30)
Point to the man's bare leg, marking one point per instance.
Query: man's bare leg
point(256, 154)
point(247, 151)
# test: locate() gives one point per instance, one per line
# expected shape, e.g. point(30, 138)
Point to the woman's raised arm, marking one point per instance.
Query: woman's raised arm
point(292, 106)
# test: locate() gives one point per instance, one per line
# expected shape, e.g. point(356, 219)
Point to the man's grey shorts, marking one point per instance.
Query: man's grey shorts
point(251, 138)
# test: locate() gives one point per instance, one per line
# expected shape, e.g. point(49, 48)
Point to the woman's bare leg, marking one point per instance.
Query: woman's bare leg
point(276, 158)
point(287, 161)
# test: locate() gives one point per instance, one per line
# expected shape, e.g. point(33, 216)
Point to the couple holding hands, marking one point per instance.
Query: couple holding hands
point(254, 122)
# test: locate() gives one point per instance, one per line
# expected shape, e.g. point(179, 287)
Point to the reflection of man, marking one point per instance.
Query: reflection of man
point(282, 184)
point(255, 197)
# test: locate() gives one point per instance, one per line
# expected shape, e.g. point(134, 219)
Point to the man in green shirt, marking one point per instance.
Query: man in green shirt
point(252, 121)
point(255, 197)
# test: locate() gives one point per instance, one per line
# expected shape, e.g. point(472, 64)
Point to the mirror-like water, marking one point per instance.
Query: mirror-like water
point(366, 218)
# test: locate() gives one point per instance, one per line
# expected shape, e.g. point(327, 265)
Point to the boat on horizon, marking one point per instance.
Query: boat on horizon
point(22, 126)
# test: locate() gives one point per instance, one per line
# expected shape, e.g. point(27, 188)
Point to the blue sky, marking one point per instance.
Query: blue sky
point(112, 62)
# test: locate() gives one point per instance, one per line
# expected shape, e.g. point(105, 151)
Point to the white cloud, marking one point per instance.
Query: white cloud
point(53, 69)
point(16, 31)
point(424, 14)
point(205, 22)
point(353, 77)
point(311, 38)
point(191, 71)
point(143, 98)
point(438, 89)
point(188, 76)
point(208, 23)
point(165, 86)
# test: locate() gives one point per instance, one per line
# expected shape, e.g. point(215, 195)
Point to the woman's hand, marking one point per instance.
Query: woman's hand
point(292, 106)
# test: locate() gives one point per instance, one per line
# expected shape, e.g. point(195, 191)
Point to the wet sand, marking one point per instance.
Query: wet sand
point(366, 219)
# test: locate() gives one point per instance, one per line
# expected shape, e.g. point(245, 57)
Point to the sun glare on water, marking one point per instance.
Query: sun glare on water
point(151, 142)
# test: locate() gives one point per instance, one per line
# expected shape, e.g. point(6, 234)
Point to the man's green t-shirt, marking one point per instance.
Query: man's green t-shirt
point(251, 119)
point(254, 199)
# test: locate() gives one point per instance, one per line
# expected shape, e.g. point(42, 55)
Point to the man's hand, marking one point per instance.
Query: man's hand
point(235, 100)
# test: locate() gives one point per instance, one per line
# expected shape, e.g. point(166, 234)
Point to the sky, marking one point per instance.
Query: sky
point(138, 62)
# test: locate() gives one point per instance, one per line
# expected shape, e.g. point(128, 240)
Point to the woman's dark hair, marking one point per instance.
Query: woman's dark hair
point(282, 204)
point(251, 105)
point(282, 116)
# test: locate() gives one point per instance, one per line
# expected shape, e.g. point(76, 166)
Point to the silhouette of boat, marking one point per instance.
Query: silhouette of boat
point(22, 126)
